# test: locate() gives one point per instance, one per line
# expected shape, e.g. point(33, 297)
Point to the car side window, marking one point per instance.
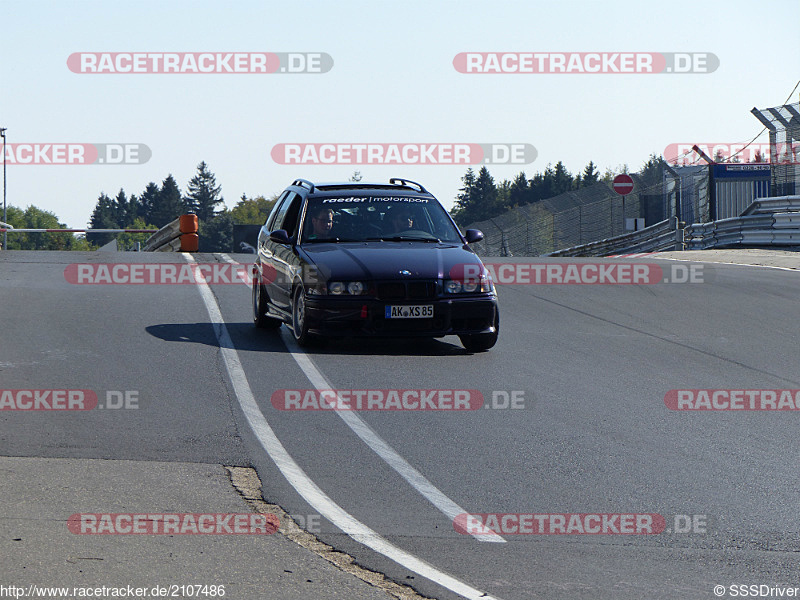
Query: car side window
point(275, 209)
point(290, 219)
point(279, 218)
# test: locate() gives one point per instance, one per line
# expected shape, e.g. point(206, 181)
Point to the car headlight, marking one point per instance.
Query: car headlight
point(451, 286)
point(356, 288)
point(470, 286)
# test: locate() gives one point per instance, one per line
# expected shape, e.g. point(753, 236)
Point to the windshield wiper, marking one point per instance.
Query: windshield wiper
point(331, 239)
point(404, 238)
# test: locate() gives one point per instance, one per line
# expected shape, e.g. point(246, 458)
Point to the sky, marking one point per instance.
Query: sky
point(392, 81)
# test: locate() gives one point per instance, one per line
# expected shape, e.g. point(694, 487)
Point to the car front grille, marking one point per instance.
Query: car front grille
point(406, 290)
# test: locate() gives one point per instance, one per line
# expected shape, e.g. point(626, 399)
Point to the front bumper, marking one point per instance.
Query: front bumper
point(467, 315)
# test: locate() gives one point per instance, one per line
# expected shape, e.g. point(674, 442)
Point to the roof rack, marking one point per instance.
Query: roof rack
point(305, 182)
point(408, 182)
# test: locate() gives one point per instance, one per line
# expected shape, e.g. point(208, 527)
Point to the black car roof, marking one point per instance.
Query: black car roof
point(395, 186)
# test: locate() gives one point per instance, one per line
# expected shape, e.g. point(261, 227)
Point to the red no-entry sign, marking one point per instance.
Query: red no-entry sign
point(623, 184)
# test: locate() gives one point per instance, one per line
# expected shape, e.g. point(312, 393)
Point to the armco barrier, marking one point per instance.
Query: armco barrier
point(765, 222)
point(778, 204)
point(179, 235)
point(661, 236)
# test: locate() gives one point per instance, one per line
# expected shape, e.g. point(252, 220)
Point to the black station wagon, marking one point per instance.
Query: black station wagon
point(355, 259)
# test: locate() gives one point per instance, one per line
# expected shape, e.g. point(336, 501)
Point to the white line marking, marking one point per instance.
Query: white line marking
point(414, 478)
point(718, 262)
point(301, 482)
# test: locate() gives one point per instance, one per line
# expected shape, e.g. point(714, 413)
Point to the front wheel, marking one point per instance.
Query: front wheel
point(260, 318)
point(299, 317)
point(481, 342)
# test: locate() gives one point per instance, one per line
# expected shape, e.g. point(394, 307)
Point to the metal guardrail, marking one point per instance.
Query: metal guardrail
point(765, 222)
point(664, 235)
point(178, 235)
point(163, 237)
point(773, 205)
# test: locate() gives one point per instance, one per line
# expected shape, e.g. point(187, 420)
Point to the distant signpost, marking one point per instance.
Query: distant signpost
point(623, 184)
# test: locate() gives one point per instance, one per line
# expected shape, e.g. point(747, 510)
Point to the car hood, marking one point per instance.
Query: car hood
point(385, 260)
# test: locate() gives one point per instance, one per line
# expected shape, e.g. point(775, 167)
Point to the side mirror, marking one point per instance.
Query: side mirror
point(473, 235)
point(280, 236)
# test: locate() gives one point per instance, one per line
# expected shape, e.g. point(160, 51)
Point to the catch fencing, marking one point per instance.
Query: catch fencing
point(585, 215)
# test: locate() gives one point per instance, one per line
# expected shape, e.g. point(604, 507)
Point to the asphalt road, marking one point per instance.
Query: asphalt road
point(593, 364)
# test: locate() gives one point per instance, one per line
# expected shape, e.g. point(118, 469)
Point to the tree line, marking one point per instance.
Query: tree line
point(158, 205)
point(481, 198)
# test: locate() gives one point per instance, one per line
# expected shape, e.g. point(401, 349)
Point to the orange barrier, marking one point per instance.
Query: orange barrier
point(189, 223)
point(190, 242)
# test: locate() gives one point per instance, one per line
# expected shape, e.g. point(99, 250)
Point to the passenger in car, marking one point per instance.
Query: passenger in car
point(401, 219)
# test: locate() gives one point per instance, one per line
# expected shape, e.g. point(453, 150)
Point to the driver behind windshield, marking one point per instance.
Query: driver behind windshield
point(321, 224)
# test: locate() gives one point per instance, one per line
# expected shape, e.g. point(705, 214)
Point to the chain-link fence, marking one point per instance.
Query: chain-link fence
point(594, 213)
point(693, 194)
point(783, 124)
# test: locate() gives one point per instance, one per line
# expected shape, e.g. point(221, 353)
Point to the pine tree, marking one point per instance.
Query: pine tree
point(148, 201)
point(544, 184)
point(486, 202)
point(520, 190)
point(590, 175)
point(168, 205)
point(104, 216)
point(562, 179)
point(652, 174)
point(463, 204)
point(122, 210)
point(203, 194)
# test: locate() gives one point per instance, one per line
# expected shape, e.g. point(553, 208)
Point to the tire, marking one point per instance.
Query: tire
point(299, 320)
point(481, 342)
point(260, 318)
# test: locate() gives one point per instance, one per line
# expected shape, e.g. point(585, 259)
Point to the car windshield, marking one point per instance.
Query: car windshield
point(377, 218)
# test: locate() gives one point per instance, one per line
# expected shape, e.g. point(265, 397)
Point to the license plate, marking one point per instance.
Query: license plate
point(409, 312)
